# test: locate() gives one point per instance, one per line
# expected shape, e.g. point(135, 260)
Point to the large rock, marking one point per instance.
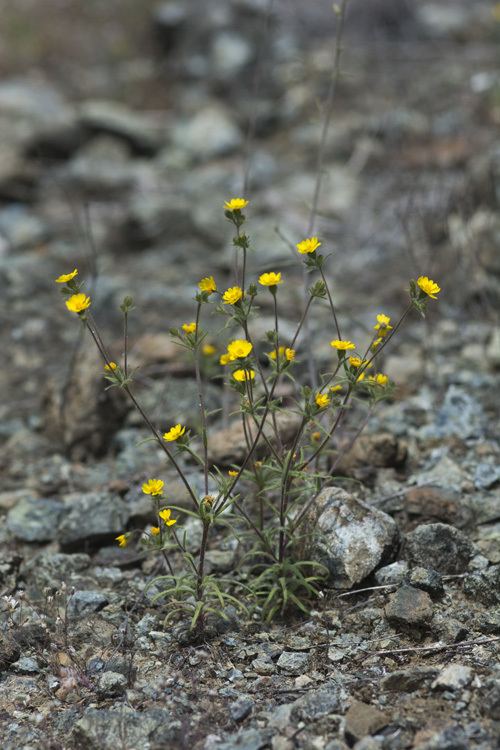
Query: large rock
point(440, 547)
point(228, 446)
point(81, 416)
point(348, 536)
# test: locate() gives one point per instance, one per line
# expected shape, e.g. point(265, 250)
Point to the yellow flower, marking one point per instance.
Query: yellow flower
point(155, 530)
point(270, 279)
point(111, 366)
point(290, 354)
point(355, 361)
point(233, 473)
point(174, 433)
point(428, 286)
point(153, 487)
point(232, 295)
point(122, 540)
point(379, 378)
point(209, 499)
point(235, 204)
point(238, 349)
point(165, 516)
point(316, 435)
point(376, 343)
point(361, 377)
point(225, 359)
point(342, 345)
point(208, 285)
point(383, 325)
point(334, 388)
point(66, 277)
point(322, 400)
point(78, 303)
point(308, 246)
point(189, 327)
point(281, 351)
point(208, 349)
point(242, 375)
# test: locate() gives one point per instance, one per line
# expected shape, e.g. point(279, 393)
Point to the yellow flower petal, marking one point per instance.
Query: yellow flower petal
point(78, 303)
point(270, 279)
point(308, 246)
point(66, 277)
point(174, 433)
point(235, 204)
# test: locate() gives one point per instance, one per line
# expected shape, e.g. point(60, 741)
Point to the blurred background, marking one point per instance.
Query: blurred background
point(124, 126)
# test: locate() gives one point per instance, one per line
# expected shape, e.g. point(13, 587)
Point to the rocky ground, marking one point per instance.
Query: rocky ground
point(123, 131)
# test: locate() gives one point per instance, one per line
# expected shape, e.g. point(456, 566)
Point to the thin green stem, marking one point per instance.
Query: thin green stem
point(125, 344)
point(332, 306)
point(201, 401)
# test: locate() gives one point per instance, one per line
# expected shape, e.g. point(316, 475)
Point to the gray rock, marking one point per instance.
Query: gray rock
point(26, 665)
point(460, 414)
point(410, 607)
point(349, 537)
point(486, 474)
point(452, 738)
point(484, 586)
point(36, 519)
point(241, 708)
point(139, 131)
point(86, 603)
point(440, 547)
point(492, 701)
point(230, 53)
point(34, 99)
point(263, 666)
point(294, 663)
point(316, 704)
point(453, 677)
point(489, 623)
point(9, 651)
point(92, 517)
point(448, 629)
point(393, 573)
point(248, 739)
point(408, 680)
point(52, 569)
point(362, 719)
point(152, 217)
point(111, 685)
point(209, 133)
point(427, 580)
point(122, 726)
point(20, 228)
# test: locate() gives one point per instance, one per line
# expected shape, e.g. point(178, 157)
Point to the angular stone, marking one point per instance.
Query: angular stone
point(408, 680)
point(453, 677)
point(362, 719)
point(316, 704)
point(294, 663)
point(440, 547)
point(409, 606)
point(36, 520)
point(348, 536)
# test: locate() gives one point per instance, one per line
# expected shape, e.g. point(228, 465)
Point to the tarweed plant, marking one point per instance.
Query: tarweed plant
point(265, 498)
